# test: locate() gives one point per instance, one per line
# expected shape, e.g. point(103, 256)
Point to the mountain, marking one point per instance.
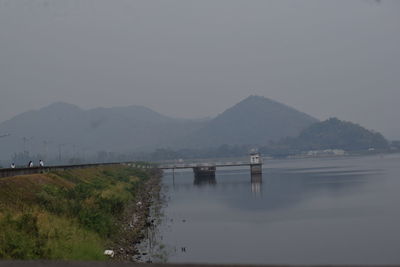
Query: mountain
point(255, 120)
point(68, 129)
point(65, 130)
point(336, 134)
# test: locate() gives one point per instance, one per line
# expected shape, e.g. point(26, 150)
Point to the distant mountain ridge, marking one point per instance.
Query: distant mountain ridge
point(254, 120)
point(62, 128)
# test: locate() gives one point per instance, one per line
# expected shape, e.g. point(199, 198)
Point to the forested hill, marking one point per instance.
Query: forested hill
point(337, 134)
point(254, 120)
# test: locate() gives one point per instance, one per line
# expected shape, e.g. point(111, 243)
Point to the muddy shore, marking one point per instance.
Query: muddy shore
point(136, 220)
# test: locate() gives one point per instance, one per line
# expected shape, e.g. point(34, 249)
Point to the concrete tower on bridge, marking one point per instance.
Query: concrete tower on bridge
point(255, 162)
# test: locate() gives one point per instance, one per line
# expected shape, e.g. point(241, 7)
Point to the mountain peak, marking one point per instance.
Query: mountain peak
point(254, 120)
point(61, 106)
point(258, 101)
point(255, 98)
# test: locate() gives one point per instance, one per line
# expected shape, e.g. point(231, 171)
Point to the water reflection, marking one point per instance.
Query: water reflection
point(256, 181)
point(303, 210)
point(204, 180)
point(282, 189)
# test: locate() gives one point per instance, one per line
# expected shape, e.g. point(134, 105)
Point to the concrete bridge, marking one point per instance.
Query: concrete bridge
point(208, 169)
point(199, 169)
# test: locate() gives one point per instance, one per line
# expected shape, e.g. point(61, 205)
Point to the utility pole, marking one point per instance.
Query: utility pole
point(4, 135)
point(45, 149)
point(26, 141)
point(59, 152)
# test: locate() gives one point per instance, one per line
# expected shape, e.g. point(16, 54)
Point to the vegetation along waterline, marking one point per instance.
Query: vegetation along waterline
point(76, 214)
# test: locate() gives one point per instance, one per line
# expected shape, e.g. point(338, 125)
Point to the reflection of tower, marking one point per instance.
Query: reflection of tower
point(255, 172)
point(256, 181)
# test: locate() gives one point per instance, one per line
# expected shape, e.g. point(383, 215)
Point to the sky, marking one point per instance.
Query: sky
point(194, 59)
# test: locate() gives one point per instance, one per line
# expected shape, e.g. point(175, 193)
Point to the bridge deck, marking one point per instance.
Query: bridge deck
point(7, 172)
point(196, 165)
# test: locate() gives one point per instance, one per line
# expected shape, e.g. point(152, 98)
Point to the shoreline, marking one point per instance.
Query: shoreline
point(77, 214)
point(136, 220)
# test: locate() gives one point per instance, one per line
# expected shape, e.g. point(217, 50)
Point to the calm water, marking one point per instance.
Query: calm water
point(305, 211)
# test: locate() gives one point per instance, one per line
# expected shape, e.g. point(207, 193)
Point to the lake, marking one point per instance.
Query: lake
point(305, 211)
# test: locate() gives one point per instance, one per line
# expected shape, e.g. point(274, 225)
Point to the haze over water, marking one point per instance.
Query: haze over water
point(306, 211)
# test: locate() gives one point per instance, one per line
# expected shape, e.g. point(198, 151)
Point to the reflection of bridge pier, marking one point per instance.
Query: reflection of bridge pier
point(204, 175)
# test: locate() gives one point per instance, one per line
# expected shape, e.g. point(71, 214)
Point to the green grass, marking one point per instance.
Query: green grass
point(64, 215)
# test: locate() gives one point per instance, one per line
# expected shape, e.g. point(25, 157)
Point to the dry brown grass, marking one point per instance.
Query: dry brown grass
point(21, 190)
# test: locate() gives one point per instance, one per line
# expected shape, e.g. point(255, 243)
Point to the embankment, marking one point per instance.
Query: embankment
point(75, 214)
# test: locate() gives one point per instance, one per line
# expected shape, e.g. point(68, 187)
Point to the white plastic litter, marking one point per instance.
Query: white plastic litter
point(109, 252)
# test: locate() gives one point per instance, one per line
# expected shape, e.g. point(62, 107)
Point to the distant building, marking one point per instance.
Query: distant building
point(255, 158)
point(338, 152)
point(326, 152)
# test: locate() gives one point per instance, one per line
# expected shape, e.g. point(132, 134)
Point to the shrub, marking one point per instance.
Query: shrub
point(20, 238)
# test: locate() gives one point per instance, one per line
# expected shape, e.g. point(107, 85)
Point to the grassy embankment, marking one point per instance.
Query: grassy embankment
point(73, 214)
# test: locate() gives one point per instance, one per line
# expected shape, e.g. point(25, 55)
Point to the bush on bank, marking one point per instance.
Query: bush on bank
point(65, 215)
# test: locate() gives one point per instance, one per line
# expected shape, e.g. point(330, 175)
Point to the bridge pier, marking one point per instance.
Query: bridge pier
point(207, 170)
point(255, 169)
point(204, 171)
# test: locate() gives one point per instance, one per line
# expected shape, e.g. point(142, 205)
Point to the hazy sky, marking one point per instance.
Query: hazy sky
point(196, 58)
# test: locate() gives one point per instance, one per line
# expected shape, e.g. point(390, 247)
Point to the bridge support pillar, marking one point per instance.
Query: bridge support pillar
point(204, 171)
point(255, 169)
